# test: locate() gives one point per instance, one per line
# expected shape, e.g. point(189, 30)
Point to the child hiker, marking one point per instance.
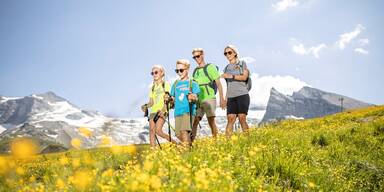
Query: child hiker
point(156, 105)
point(184, 94)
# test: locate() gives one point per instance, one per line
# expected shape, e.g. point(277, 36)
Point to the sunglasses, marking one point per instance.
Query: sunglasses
point(196, 57)
point(154, 73)
point(179, 70)
point(228, 53)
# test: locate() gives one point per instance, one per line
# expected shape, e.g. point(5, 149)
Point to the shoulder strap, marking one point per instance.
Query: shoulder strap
point(206, 72)
point(174, 87)
point(190, 85)
point(241, 67)
point(194, 72)
point(225, 69)
point(162, 85)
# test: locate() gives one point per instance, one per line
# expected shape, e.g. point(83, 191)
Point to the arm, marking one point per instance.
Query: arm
point(147, 105)
point(221, 95)
point(242, 77)
point(193, 96)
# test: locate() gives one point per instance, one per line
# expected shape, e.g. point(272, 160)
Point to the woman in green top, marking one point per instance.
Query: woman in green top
point(156, 105)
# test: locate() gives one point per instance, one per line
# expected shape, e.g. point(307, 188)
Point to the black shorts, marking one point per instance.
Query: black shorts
point(238, 105)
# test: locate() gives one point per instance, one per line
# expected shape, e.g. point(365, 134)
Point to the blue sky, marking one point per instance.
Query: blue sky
point(98, 54)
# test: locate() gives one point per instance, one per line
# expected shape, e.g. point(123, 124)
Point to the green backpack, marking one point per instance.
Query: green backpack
point(212, 82)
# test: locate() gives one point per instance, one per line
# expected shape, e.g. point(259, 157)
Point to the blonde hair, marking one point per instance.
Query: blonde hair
point(184, 62)
point(234, 49)
point(161, 68)
point(198, 50)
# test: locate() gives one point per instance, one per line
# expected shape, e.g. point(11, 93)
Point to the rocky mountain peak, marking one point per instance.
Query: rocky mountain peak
point(50, 97)
point(308, 102)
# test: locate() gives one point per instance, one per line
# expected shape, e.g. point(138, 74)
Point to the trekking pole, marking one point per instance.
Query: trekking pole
point(190, 117)
point(172, 128)
point(157, 139)
point(169, 125)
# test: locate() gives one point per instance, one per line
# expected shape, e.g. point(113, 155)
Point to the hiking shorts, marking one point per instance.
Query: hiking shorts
point(183, 123)
point(152, 116)
point(238, 105)
point(207, 107)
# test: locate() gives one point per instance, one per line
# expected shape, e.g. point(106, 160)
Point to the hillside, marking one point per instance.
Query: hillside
point(340, 152)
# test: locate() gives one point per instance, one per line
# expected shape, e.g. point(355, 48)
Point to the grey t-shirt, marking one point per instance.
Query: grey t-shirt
point(236, 88)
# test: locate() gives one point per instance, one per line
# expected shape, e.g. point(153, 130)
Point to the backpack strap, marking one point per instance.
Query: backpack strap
point(241, 67)
point(190, 85)
point(174, 87)
point(194, 72)
point(225, 69)
point(205, 69)
point(162, 85)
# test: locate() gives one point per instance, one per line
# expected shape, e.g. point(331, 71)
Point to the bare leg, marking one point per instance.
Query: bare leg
point(185, 138)
point(194, 127)
point(152, 133)
point(243, 122)
point(231, 119)
point(159, 130)
point(212, 124)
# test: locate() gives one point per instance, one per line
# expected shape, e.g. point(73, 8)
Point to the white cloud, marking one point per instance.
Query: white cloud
point(364, 42)
point(285, 4)
point(248, 59)
point(261, 87)
point(361, 51)
point(348, 37)
point(300, 49)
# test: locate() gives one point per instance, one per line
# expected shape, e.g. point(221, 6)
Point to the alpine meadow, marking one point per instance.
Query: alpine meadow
point(340, 152)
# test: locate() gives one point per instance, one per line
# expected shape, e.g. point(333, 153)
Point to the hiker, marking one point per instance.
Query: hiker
point(236, 74)
point(184, 94)
point(208, 78)
point(156, 105)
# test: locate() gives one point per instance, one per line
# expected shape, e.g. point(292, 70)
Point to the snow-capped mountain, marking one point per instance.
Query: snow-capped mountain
point(55, 121)
point(307, 103)
point(52, 119)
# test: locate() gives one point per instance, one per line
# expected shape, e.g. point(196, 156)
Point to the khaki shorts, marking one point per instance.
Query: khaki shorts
point(183, 123)
point(207, 107)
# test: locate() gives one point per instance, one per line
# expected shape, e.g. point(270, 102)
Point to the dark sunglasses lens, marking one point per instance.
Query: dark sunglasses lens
point(196, 57)
point(154, 73)
point(179, 70)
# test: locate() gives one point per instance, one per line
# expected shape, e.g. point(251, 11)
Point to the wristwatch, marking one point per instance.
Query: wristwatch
point(233, 77)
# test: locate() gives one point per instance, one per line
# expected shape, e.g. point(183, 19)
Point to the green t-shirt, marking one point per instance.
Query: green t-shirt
point(157, 95)
point(206, 91)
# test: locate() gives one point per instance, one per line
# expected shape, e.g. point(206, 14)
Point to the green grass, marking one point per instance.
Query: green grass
point(341, 152)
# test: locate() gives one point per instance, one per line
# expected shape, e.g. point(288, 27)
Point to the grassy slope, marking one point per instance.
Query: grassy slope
point(341, 152)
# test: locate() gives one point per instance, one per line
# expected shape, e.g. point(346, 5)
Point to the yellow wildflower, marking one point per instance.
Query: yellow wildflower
point(76, 143)
point(23, 148)
point(60, 183)
point(85, 132)
point(82, 179)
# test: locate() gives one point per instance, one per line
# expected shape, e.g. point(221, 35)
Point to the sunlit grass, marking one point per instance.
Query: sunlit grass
point(341, 152)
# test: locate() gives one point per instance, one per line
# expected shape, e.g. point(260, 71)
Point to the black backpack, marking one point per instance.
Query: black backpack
point(212, 82)
point(248, 82)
